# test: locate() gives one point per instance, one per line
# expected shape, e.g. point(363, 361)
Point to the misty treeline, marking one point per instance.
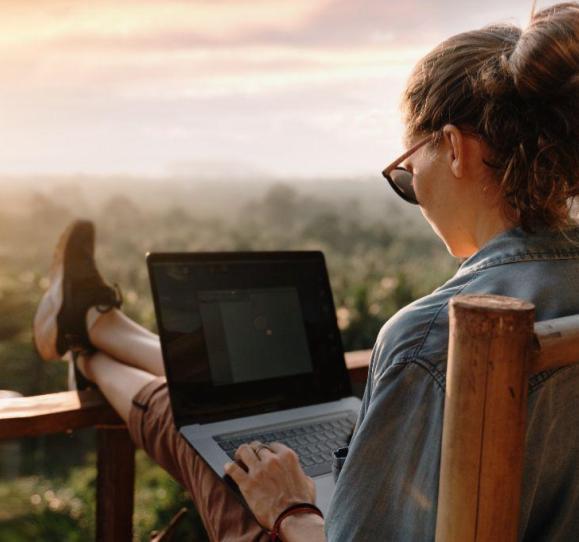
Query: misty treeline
point(380, 253)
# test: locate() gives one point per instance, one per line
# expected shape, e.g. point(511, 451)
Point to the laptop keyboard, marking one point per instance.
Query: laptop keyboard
point(314, 441)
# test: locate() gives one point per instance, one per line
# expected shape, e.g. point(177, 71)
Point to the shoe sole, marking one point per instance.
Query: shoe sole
point(47, 340)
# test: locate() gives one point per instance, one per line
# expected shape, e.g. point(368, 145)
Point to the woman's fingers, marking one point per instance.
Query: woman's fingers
point(261, 450)
point(246, 454)
point(273, 479)
point(278, 446)
point(236, 473)
point(283, 451)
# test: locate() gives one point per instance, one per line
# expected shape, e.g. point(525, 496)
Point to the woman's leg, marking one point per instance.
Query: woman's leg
point(124, 340)
point(142, 400)
point(132, 383)
point(118, 382)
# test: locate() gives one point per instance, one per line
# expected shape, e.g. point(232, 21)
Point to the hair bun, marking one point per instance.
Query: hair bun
point(545, 61)
point(520, 92)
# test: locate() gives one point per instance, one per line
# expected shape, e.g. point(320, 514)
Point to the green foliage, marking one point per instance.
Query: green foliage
point(62, 509)
point(159, 498)
point(38, 508)
point(380, 256)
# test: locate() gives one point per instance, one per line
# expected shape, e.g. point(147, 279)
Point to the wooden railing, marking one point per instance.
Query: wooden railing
point(486, 328)
point(71, 410)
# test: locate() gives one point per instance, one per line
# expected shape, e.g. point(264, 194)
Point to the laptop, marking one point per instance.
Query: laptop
point(252, 351)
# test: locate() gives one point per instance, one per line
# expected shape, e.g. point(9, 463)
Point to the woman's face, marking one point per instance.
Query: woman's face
point(452, 186)
point(433, 189)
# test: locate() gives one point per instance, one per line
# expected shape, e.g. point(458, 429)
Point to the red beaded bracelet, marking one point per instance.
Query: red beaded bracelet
point(299, 508)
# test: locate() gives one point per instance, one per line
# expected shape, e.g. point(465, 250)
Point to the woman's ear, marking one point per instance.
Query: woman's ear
point(454, 149)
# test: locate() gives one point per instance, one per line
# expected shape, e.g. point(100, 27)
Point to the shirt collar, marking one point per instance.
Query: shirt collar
point(517, 245)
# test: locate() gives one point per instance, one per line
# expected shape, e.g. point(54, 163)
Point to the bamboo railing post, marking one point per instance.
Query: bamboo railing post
point(482, 452)
point(115, 484)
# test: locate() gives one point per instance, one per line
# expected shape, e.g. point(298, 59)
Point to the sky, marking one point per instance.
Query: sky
point(202, 88)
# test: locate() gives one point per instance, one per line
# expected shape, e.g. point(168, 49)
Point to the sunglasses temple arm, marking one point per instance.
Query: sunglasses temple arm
point(410, 151)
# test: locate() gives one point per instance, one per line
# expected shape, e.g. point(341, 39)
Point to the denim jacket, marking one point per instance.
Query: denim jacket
point(388, 486)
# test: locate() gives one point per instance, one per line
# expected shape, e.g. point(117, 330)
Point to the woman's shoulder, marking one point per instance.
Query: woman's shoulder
point(419, 331)
point(517, 246)
point(542, 269)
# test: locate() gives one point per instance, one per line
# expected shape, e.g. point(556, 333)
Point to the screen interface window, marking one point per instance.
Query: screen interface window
point(254, 334)
point(219, 328)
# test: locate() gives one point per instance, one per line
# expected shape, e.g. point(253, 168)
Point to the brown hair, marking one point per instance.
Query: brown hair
point(519, 90)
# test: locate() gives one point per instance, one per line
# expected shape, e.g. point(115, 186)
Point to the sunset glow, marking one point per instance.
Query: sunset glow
point(289, 87)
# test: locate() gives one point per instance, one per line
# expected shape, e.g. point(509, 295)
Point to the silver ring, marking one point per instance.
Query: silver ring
point(261, 446)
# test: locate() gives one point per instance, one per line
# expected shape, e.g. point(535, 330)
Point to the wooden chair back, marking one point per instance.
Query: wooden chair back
point(494, 347)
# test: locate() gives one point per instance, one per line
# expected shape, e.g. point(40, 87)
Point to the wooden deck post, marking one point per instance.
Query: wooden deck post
point(115, 484)
point(484, 419)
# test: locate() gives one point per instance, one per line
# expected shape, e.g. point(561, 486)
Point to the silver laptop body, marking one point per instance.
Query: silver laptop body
point(252, 351)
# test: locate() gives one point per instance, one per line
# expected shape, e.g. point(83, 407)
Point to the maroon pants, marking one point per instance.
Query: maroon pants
point(151, 427)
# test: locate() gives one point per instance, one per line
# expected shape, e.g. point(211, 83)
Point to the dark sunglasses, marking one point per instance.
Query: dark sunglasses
point(399, 178)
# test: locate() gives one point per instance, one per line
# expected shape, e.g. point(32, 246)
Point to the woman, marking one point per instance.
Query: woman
point(492, 128)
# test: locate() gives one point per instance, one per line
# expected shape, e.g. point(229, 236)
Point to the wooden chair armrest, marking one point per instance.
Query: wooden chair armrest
point(556, 345)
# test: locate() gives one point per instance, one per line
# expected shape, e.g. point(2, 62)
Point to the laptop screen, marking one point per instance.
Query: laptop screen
point(244, 332)
point(245, 329)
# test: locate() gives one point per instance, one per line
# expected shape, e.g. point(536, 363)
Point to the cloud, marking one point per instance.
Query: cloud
point(176, 25)
point(294, 86)
point(105, 21)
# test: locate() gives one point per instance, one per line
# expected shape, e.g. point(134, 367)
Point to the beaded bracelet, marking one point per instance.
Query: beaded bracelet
point(299, 508)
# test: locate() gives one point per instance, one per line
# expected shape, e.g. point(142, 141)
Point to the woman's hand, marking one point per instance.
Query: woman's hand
point(270, 479)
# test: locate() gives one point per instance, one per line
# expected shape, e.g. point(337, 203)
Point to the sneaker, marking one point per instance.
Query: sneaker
point(75, 286)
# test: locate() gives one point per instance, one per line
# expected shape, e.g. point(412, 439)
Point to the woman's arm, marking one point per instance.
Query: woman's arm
point(303, 527)
point(271, 479)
